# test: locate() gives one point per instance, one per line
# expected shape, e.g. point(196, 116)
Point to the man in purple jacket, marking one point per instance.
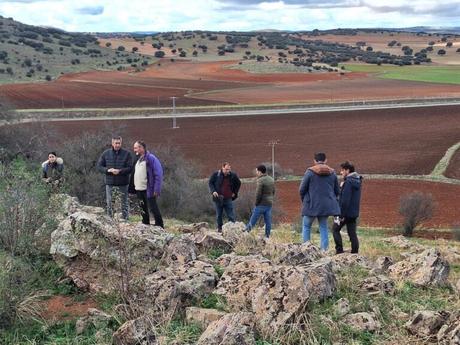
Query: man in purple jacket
point(148, 178)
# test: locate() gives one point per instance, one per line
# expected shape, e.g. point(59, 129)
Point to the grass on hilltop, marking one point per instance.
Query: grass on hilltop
point(425, 73)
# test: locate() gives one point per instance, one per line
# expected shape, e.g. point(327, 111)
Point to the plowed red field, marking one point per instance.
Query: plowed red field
point(393, 141)
point(109, 89)
point(209, 83)
point(344, 89)
point(380, 201)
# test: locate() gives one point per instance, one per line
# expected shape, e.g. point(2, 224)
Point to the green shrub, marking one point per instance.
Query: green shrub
point(23, 209)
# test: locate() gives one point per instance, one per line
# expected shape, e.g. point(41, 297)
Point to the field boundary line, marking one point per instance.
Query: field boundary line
point(443, 164)
point(425, 178)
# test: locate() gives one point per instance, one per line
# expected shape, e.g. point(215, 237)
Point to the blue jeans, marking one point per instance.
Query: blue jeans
point(307, 222)
point(226, 205)
point(123, 190)
point(258, 211)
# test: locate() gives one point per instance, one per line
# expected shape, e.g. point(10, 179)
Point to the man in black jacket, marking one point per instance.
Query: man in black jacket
point(224, 186)
point(349, 200)
point(116, 163)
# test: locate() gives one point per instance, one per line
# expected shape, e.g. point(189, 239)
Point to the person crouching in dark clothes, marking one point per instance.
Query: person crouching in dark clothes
point(52, 169)
point(349, 200)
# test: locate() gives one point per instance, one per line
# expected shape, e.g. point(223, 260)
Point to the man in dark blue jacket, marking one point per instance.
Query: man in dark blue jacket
point(319, 190)
point(224, 186)
point(349, 200)
point(116, 163)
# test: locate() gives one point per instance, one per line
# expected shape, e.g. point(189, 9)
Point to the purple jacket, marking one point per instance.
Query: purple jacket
point(154, 174)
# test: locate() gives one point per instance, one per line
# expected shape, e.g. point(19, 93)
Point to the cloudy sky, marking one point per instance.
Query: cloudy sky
point(240, 15)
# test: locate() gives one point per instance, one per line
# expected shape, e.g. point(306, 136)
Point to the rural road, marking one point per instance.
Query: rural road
point(66, 114)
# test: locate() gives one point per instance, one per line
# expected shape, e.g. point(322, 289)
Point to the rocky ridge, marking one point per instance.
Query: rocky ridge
point(163, 274)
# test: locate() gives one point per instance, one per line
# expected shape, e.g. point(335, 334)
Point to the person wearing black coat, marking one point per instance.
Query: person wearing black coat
point(224, 186)
point(116, 164)
point(349, 201)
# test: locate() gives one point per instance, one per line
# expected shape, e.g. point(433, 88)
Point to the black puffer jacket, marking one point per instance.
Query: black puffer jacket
point(120, 159)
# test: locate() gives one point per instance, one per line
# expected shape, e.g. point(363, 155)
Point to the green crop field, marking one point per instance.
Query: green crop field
point(426, 73)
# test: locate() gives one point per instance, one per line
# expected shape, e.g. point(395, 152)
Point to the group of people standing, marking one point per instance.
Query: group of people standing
point(320, 192)
point(143, 177)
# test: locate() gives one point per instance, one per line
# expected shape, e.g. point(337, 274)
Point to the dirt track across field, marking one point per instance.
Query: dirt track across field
point(453, 170)
point(387, 141)
point(380, 202)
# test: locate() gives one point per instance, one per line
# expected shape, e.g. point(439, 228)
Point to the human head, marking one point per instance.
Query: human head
point(140, 147)
point(52, 156)
point(261, 170)
point(346, 168)
point(320, 157)
point(116, 142)
point(226, 168)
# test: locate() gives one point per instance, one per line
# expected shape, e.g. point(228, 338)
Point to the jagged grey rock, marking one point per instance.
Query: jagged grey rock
point(342, 307)
point(377, 285)
point(426, 323)
point(94, 317)
point(93, 250)
point(231, 329)
point(404, 243)
point(193, 228)
point(172, 289)
point(284, 292)
point(211, 240)
point(383, 263)
point(135, 332)
point(232, 232)
point(241, 277)
point(203, 316)
point(346, 260)
point(292, 253)
point(180, 250)
point(425, 269)
point(362, 322)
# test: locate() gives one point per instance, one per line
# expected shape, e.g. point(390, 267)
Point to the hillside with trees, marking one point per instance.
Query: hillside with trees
point(33, 53)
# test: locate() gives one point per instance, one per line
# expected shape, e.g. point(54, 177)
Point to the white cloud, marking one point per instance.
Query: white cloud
point(170, 15)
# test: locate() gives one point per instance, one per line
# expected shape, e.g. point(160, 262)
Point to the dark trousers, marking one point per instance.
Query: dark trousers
point(351, 229)
point(227, 205)
point(146, 204)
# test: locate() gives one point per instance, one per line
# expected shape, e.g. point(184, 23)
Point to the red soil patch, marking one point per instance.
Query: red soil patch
point(453, 170)
point(65, 308)
point(108, 89)
point(380, 201)
point(345, 89)
point(392, 141)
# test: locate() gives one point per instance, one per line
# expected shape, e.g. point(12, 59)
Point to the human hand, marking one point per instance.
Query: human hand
point(115, 171)
point(155, 194)
point(215, 194)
